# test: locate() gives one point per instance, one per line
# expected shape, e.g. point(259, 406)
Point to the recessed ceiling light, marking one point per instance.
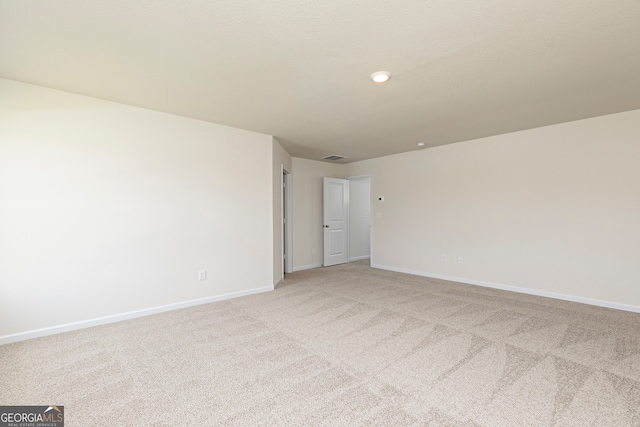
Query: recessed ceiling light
point(380, 76)
point(421, 144)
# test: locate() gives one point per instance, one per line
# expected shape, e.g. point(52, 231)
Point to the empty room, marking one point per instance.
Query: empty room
point(299, 213)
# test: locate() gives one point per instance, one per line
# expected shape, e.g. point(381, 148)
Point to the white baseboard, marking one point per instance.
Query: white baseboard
point(590, 301)
point(306, 267)
point(358, 258)
point(36, 333)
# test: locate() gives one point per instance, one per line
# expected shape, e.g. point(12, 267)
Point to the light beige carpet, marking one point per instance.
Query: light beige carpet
point(345, 345)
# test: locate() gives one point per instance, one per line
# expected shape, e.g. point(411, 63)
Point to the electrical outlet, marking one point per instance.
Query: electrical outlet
point(202, 275)
point(444, 258)
point(460, 260)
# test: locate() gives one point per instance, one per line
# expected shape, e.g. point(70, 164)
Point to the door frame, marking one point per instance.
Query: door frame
point(286, 202)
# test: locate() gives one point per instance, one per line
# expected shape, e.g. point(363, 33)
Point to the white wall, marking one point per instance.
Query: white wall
point(553, 209)
point(107, 209)
point(280, 159)
point(359, 217)
point(307, 209)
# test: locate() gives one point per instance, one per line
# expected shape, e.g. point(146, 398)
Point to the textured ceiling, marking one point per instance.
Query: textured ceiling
point(299, 69)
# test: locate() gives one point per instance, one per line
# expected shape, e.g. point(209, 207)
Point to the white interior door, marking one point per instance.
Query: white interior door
point(336, 221)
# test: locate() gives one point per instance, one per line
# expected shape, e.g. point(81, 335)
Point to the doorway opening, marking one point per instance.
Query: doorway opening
point(359, 218)
point(347, 224)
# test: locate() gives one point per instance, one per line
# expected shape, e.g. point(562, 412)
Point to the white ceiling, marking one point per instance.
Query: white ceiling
point(299, 69)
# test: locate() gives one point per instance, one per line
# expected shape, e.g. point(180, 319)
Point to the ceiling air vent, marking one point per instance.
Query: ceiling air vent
point(333, 157)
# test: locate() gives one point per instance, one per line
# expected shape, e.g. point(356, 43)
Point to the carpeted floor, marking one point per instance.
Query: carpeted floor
point(346, 345)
